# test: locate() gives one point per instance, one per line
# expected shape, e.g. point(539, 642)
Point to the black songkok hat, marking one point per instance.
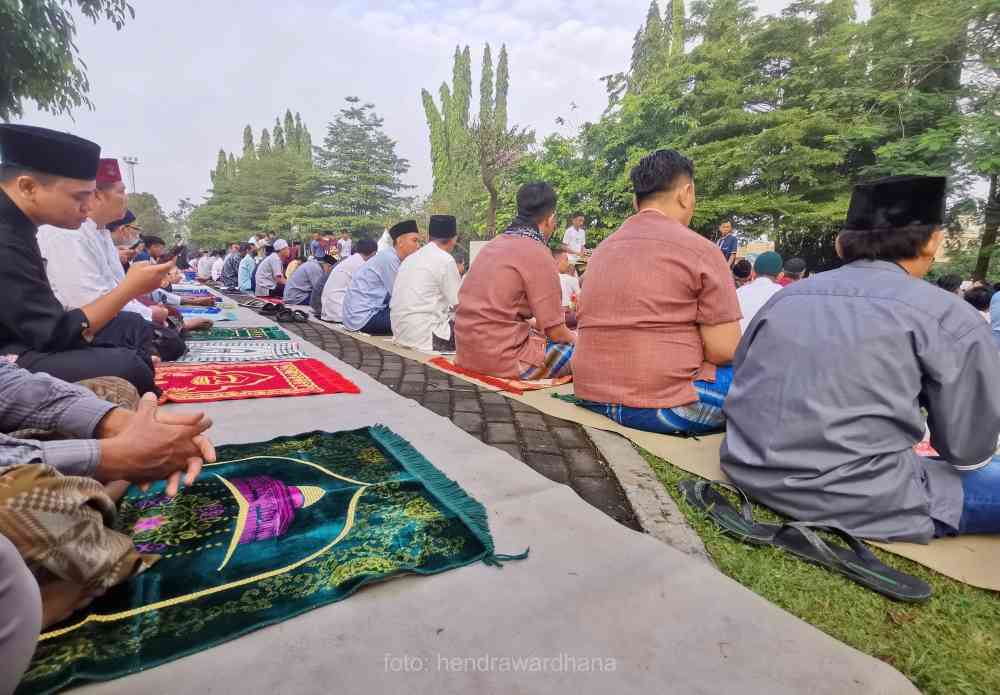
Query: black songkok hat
point(442, 227)
point(49, 151)
point(405, 227)
point(128, 219)
point(897, 201)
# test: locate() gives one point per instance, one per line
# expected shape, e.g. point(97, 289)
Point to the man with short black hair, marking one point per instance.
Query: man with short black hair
point(48, 177)
point(309, 278)
point(155, 248)
point(426, 291)
point(366, 304)
point(795, 268)
point(728, 243)
point(344, 244)
point(231, 266)
point(765, 284)
point(510, 322)
point(247, 268)
point(833, 374)
point(574, 239)
point(980, 297)
point(656, 341)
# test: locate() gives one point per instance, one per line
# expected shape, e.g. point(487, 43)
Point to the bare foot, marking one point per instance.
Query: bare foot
point(155, 359)
point(116, 489)
point(60, 599)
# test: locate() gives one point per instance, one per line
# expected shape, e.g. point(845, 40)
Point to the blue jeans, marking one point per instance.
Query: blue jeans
point(981, 499)
point(697, 418)
point(379, 324)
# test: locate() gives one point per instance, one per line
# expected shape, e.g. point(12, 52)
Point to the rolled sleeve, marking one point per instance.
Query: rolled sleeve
point(72, 456)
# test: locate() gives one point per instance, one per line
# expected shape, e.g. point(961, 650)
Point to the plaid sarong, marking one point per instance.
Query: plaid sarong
point(558, 363)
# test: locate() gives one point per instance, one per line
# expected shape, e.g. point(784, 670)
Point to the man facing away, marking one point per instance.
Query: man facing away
point(247, 267)
point(764, 285)
point(231, 266)
point(366, 304)
point(659, 319)
point(332, 301)
point(795, 268)
point(728, 243)
point(48, 177)
point(510, 322)
point(270, 274)
point(426, 291)
point(833, 374)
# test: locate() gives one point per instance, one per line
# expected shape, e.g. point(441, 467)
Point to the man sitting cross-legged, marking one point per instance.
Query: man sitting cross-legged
point(510, 321)
point(270, 273)
point(49, 177)
point(309, 278)
point(832, 375)
point(56, 530)
point(366, 304)
point(659, 320)
point(426, 291)
point(335, 288)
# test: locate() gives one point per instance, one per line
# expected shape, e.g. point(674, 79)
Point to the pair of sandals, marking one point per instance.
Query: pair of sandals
point(800, 538)
point(278, 312)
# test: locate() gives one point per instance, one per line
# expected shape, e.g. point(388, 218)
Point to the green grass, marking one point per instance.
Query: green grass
point(947, 646)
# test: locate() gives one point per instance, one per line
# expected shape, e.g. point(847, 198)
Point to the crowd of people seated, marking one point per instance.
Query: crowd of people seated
point(823, 384)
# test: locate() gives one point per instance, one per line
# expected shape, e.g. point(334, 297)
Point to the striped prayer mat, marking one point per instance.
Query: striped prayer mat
point(250, 333)
point(241, 351)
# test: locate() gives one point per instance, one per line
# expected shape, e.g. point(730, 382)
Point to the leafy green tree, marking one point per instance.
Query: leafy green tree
point(249, 151)
point(39, 59)
point(149, 215)
point(357, 180)
point(221, 170)
point(264, 147)
point(293, 134)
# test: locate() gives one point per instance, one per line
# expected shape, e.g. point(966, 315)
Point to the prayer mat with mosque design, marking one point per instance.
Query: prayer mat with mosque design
point(231, 351)
point(192, 291)
point(197, 383)
point(272, 530)
point(253, 333)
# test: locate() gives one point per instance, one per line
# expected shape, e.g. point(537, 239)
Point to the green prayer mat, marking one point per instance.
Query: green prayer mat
point(256, 333)
point(272, 530)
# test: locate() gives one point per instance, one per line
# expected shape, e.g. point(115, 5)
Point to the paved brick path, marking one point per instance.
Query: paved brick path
point(558, 449)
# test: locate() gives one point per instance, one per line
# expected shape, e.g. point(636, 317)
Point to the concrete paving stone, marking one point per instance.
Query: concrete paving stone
point(583, 463)
point(555, 421)
point(500, 432)
point(488, 397)
point(432, 396)
point(467, 404)
point(410, 388)
point(470, 422)
point(540, 440)
point(530, 421)
point(551, 466)
point(520, 407)
point(442, 409)
point(570, 436)
point(498, 412)
point(371, 371)
point(603, 493)
point(512, 449)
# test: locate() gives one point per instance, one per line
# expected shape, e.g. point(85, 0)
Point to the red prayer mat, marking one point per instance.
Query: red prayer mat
point(196, 383)
point(515, 386)
point(271, 300)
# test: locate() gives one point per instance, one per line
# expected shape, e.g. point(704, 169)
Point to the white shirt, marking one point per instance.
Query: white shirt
point(336, 287)
point(344, 248)
point(753, 296)
point(570, 286)
point(423, 298)
point(205, 267)
point(80, 265)
point(576, 240)
point(385, 241)
point(217, 268)
point(268, 271)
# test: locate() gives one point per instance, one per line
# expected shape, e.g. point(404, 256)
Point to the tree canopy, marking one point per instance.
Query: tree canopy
point(39, 59)
point(149, 215)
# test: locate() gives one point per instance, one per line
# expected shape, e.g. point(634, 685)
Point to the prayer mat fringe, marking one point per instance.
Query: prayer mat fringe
point(446, 490)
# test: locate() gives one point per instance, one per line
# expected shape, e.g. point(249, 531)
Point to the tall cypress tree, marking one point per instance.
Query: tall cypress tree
point(279, 136)
point(292, 135)
point(249, 151)
point(486, 87)
point(264, 148)
point(503, 86)
point(677, 34)
point(220, 172)
point(300, 133)
point(232, 169)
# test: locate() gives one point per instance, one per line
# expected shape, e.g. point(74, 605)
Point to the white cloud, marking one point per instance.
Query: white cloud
point(184, 77)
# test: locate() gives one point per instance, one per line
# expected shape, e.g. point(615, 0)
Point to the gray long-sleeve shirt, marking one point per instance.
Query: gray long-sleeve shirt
point(825, 405)
point(39, 401)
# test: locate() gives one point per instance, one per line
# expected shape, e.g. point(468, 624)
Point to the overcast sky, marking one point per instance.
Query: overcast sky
point(184, 77)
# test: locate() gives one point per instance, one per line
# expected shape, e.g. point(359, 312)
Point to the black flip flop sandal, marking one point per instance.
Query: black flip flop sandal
point(252, 304)
point(856, 562)
point(701, 495)
point(271, 309)
point(299, 316)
